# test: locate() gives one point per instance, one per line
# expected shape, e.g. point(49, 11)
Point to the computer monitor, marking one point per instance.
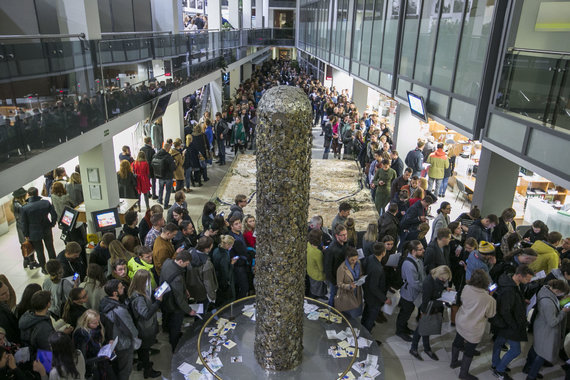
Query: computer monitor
point(106, 220)
point(160, 107)
point(417, 106)
point(68, 219)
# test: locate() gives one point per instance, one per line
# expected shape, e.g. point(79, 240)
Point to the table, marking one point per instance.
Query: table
point(124, 206)
point(536, 209)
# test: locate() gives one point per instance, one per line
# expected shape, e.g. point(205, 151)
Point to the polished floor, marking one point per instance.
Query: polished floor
point(399, 364)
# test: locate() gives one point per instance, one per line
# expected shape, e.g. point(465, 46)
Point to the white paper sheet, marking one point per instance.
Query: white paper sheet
point(393, 260)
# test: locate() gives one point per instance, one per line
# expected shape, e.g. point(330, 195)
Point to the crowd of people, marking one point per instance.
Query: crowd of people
point(86, 301)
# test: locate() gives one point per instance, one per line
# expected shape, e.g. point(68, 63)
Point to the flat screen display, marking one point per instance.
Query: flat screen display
point(106, 219)
point(160, 107)
point(68, 218)
point(417, 106)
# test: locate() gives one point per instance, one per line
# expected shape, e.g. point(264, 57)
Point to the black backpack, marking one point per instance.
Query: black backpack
point(159, 166)
point(399, 279)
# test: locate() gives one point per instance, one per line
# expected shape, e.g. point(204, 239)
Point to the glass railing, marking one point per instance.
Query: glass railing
point(53, 91)
point(536, 85)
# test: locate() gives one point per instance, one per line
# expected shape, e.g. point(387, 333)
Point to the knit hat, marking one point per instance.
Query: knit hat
point(19, 193)
point(486, 248)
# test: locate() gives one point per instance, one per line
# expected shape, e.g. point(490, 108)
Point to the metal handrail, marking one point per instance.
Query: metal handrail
point(36, 36)
point(540, 51)
point(133, 33)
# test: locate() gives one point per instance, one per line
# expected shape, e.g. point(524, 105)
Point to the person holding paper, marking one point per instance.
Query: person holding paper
point(437, 252)
point(547, 255)
point(374, 287)
point(477, 306)
point(433, 285)
point(144, 313)
point(334, 256)
point(482, 258)
point(349, 295)
point(413, 275)
point(89, 338)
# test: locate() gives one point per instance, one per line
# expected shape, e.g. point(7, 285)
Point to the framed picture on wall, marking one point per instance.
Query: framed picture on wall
point(95, 192)
point(93, 175)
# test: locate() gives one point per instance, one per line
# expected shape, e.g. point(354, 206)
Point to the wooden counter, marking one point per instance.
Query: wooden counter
point(124, 206)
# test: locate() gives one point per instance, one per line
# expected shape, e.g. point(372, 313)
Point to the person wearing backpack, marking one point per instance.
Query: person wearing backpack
point(549, 327)
point(123, 327)
point(201, 279)
point(163, 166)
point(510, 323)
point(413, 275)
point(58, 286)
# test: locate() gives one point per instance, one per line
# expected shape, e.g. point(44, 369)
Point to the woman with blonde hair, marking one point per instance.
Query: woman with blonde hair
point(434, 284)
point(370, 237)
point(127, 181)
point(60, 198)
point(224, 266)
point(89, 337)
point(144, 312)
point(118, 251)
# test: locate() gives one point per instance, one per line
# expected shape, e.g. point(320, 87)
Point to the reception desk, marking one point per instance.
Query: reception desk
point(536, 209)
point(124, 206)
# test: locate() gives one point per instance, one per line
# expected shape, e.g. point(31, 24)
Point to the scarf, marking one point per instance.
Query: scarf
point(355, 272)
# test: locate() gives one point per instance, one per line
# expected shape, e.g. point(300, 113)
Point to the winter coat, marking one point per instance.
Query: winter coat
point(127, 186)
point(142, 170)
point(435, 256)
point(169, 167)
point(176, 299)
point(510, 321)
point(411, 219)
point(35, 218)
point(440, 221)
point(375, 284)
point(549, 325)
point(95, 293)
point(413, 277)
point(347, 298)
point(438, 163)
point(201, 279)
point(224, 269)
point(59, 202)
point(333, 258)
point(431, 291)
point(35, 330)
point(144, 314)
point(479, 232)
point(161, 250)
point(179, 171)
point(547, 257)
point(477, 305)
point(315, 268)
point(415, 159)
point(135, 263)
point(10, 323)
point(238, 134)
point(123, 325)
point(149, 154)
point(388, 224)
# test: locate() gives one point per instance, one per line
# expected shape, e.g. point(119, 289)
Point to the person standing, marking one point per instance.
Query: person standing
point(397, 164)
point(374, 286)
point(349, 295)
point(510, 323)
point(413, 275)
point(441, 220)
point(141, 170)
point(415, 159)
point(382, 182)
point(477, 306)
point(221, 129)
point(38, 218)
point(315, 268)
point(163, 166)
point(162, 248)
point(334, 255)
point(176, 153)
point(149, 153)
point(438, 162)
point(224, 263)
point(437, 252)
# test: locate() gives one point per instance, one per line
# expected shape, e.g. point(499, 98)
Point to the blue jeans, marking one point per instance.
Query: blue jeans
point(188, 177)
point(222, 151)
point(332, 289)
point(514, 351)
point(437, 184)
point(443, 187)
point(533, 363)
point(161, 184)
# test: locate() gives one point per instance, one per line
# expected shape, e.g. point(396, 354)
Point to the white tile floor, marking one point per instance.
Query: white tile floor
point(399, 364)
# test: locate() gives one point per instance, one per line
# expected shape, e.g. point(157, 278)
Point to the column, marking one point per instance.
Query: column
point(259, 14)
point(247, 70)
point(101, 160)
point(214, 13)
point(167, 16)
point(496, 183)
point(216, 96)
point(246, 14)
point(235, 81)
point(79, 16)
point(234, 19)
point(265, 13)
point(360, 95)
point(173, 119)
point(406, 131)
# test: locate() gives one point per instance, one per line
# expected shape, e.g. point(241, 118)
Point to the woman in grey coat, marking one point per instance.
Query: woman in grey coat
point(549, 327)
point(441, 220)
point(144, 313)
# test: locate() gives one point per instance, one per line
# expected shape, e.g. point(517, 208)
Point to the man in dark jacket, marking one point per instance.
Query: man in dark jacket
point(167, 166)
point(149, 155)
point(71, 261)
point(415, 159)
point(398, 183)
point(388, 223)
point(437, 252)
point(101, 254)
point(221, 129)
point(37, 225)
point(481, 229)
point(397, 163)
point(510, 323)
point(416, 214)
point(374, 286)
point(175, 303)
point(237, 209)
point(35, 325)
point(334, 256)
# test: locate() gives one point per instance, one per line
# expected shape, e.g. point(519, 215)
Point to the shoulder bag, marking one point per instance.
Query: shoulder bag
point(430, 324)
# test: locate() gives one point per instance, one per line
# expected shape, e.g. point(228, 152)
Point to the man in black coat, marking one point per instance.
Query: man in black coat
point(415, 159)
point(165, 177)
point(374, 286)
point(416, 214)
point(388, 223)
point(397, 163)
point(437, 252)
point(398, 183)
point(481, 229)
point(35, 325)
point(510, 323)
point(334, 256)
point(149, 155)
point(221, 129)
point(38, 218)
point(71, 261)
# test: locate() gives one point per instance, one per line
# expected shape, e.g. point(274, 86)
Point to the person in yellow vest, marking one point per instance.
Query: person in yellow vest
point(143, 260)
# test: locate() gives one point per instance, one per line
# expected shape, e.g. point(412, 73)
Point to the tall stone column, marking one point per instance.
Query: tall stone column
point(283, 170)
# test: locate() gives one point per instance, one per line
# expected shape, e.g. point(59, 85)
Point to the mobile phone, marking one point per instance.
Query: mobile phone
point(75, 276)
point(182, 246)
point(161, 290)
point(222, 214)
point(567, 305)
point(492, 287)
point(235, 257)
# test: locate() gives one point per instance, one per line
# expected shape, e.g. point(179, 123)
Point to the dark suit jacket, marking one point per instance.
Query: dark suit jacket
point(375, 284)
point(35, 218)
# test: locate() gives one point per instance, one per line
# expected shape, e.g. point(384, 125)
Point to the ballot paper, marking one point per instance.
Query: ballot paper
point(361, 280)
point(531, 304)
point(448, 296)
point(360, 253)
point(236, 359)
point(309, 308)
point(331, 334)
point(107, 350)
point(197, 307)
point(313, 316)
point(194, 375)
point(348, 376)
point(186, 368)
point(538, 276)
point(394, 259)
point(395, 298)
point(229, 344)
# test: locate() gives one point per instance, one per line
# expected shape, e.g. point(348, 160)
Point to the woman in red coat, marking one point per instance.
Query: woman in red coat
point(142, 171)
point(249, 231)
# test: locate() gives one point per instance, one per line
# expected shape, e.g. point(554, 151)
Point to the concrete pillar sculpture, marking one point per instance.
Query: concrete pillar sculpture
point(283, 170)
